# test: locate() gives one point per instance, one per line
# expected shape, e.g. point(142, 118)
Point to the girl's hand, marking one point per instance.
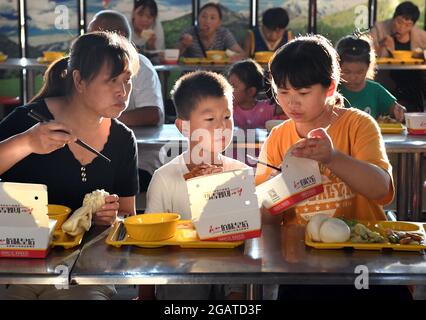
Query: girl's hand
point(49, 136)
point(202, 170)
point(317, 146)
point(150, 44)
point(107, 215)
point(399, 112)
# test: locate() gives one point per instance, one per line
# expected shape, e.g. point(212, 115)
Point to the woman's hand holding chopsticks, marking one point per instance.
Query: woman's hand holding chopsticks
point(46, 137)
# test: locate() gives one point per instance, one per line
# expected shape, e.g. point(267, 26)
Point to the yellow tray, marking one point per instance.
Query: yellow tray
point(61, 239)
point(262, 61)
point(203, 61)
point(391, 128)
point(185, 237)
point(380, 227)
point(399, 61)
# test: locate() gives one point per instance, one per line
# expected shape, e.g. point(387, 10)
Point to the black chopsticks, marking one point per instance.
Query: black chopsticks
point(263, 163)
point(121, 232)
point(40, 118)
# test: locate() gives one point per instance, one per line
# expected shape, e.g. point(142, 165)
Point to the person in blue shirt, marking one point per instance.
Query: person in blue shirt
point(271, 35)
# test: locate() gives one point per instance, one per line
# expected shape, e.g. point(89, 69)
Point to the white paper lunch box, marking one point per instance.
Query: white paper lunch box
point(25, 228)
point(299, 180)
point(224, 206)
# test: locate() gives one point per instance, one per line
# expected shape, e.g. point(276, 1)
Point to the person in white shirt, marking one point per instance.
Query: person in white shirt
point(203, 102)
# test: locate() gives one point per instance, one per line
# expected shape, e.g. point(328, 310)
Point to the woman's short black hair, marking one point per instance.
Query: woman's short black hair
point(305, 61)
point(190, 89)
point(407, 10)
point(249, 72)
point(275, 18)
point(88, 53)
point(151, 5)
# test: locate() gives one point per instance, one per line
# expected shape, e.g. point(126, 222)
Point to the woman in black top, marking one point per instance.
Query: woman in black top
point(82, 95)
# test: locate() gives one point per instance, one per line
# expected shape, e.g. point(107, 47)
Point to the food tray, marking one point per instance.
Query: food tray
point(185, 237)
point(378, 226)
point(203, 61)
point(395, 128)
point(61, 239)
point(399, 61)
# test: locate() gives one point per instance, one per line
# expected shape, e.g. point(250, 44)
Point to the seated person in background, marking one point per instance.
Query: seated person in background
point(246, 77)
point(357, 62)
point(147, 31)
point(146, 100)
point(203, 103)
point(83, 94)
point(400, 33)
point(271, 35)
point(209, 35)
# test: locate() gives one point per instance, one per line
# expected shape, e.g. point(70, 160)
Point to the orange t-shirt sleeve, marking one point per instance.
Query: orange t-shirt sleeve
point(368, 145)
point(271, 153)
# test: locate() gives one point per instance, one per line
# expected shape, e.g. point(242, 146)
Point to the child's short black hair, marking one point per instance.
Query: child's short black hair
point(407, 10)
point(357, 48)
point(193, 87)
point(305, 61)
point(275, 18)
point(249, 72)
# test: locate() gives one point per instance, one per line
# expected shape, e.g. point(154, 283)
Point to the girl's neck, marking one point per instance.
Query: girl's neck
point(356, 89)
point(323, 120)
point(248, 104)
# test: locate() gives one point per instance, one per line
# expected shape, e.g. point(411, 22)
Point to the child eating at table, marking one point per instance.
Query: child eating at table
point(203, 102)
point(246, 77)
point(357, 61)
point(346, 142)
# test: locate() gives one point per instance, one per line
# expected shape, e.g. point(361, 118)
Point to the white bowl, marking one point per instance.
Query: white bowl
point(416, 122)
point(171, 55)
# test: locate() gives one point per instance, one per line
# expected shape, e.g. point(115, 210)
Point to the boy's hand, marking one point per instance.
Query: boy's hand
point(386, 42)
point(107, 215)
point(317, 146)
point(202, 170)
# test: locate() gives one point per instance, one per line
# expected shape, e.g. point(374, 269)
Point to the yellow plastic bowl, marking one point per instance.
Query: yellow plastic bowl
point(216, 55)
point(59, 213)
point(402, 54)
point(152, 226)
point(263, 56)
point(53, 55)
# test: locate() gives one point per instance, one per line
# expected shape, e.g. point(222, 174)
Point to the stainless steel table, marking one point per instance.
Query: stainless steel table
point(29, 68)
point(53, 270)
point(410, 173)
point(278, 257)
point(409, 148)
